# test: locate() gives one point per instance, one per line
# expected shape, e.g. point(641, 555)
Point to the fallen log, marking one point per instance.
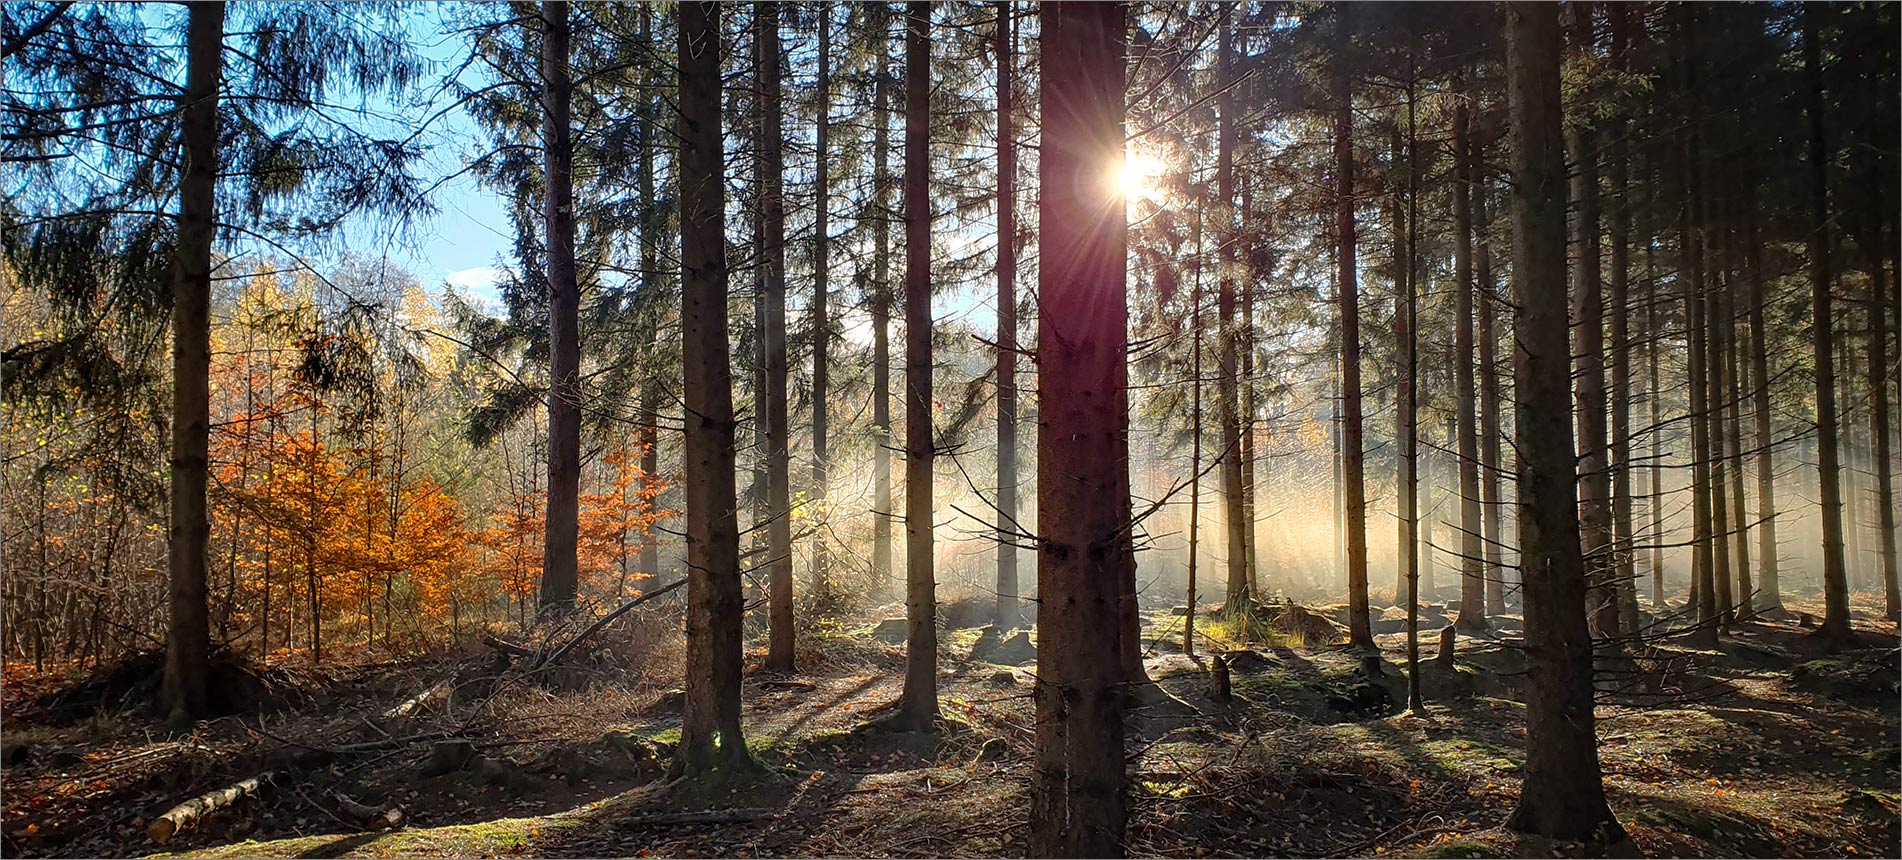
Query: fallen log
point(419, 703)
point(186, 816)
point(506, 646)
point(367, 817)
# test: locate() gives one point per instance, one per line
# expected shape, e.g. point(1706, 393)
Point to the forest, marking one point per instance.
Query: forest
point(1076, 429)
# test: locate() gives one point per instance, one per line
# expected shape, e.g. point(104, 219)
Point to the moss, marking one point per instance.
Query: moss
point(1733, 831)
point(666, 738)
point(1462, 848)
point(501, 836)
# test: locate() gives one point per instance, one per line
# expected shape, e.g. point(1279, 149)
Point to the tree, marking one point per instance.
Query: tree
point(1227, 395)
point(1620, 299)
point(188, 648)
point(1835, 626)
point(710, 735)
point(779, 551)
point(1077, 785)
point(1007, 528)
point(918, 705)
point(1472, 573)
point(881, 302)
point(1588, 346)
point(1353, 445)
point(1563, 796)
point(821, 295)
point(564, 310)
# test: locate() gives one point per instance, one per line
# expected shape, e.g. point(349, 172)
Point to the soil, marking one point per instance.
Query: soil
point(1767, 746)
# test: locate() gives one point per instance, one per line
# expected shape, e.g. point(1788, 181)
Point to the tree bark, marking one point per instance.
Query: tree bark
point(1835, 624)
point(779, 550)
point(1624, 569)
point(1563, 795)
point(918, 707)
point(1769, 588)
point(1228, 409)
point(710, 735)
point(1493, 502)
point(1588, 350)
point(564, 308)
point(1007, 612)
point(1472, 561)
point(881, 309)
point(188, 647)
point(1353, 446)
point(1077, 782)
point(821, 299)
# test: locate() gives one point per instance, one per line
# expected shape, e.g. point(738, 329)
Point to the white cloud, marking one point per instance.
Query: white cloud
point(479, 280)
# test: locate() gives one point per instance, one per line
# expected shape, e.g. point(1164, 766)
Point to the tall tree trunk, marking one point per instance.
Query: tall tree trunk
point(882, 308)
point(1472, 562)
point(1716, 314)
point(1077, 800)
point(1654, 338)
point(1835, 578)
point(1195, 436)
point(1624, 569)
point(1733, 438)
point(1228, 410)
point(1410, 414)
point(710, 734)
point(1588, 350)
point(1493, 502)
point(1879, 429)
point(821, 300)
point(779, 551)
point(918, 708)
point(564, 308)
point(1007, 612)
point(188, 647)
point(1406, 548)
point(1769, 588)
point(1703, 595)
point(1353, 445)
point(652, 223)
point(1563, 796)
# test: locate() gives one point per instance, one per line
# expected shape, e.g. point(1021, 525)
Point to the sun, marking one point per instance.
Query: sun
point(1137, 176)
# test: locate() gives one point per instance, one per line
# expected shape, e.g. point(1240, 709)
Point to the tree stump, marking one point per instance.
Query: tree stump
point(1219, 689)
point(1447, 635)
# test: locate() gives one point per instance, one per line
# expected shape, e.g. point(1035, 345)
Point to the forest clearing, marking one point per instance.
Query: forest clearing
point(1001, 429)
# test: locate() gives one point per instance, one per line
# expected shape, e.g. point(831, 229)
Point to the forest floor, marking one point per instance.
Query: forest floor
point(1765, 746)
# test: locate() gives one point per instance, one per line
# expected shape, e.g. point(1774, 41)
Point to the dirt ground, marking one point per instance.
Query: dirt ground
point(1764, 747)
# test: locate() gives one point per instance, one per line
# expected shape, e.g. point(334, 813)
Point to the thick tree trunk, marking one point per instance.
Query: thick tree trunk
point(1007, 612)
point(1835, 578)
point(1472, 561)
point(710, 734)
point(779, 550)
point(1353, 446)
point(821, 301)
point(1563, 796)
point(882, 310)
point(1228, 405)
point(188, 647)
point(1588, 351)
point(564, 308)
point(1077, 801)
point(918, 708)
